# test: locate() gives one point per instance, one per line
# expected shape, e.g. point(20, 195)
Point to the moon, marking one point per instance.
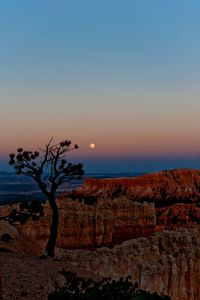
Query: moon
point(92, 145)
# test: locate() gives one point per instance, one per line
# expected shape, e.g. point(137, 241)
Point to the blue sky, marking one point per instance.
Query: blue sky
point(123, 74)
point(69, 40)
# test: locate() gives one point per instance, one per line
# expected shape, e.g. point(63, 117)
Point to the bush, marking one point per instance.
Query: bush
point(77, 288)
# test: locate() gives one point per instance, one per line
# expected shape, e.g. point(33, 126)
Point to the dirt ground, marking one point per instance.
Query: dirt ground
point(28, 278)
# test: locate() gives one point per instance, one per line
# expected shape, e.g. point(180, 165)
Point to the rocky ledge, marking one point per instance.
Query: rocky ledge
point(167, 262)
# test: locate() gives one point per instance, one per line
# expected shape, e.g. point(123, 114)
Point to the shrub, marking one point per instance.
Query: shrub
point(78, 288)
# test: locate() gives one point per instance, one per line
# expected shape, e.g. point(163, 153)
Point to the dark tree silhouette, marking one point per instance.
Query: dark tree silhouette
point(78, 288)
point(49, 169)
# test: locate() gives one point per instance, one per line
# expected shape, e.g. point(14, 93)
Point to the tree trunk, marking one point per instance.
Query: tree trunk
point(50, 247)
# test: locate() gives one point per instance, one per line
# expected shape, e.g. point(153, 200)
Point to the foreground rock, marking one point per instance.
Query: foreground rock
point(11, 241)
point(168, 262)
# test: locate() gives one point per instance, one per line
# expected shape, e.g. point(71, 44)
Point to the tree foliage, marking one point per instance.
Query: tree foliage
point(49, 169)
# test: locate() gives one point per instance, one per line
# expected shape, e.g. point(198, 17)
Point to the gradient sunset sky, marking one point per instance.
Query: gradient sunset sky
point(122, 74)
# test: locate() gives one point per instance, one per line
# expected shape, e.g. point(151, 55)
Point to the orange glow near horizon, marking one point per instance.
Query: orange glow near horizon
point(123, 122)
point(142, 146)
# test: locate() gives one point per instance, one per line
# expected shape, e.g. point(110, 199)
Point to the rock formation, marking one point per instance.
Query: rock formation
point(150, 225)
point(177, 216)
point(6, 210)
point(167, 262)
point(163, 188)
point(11, 241)
point(121, 209)
point(106, 223)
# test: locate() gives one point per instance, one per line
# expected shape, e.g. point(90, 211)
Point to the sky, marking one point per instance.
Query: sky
point(121, 74)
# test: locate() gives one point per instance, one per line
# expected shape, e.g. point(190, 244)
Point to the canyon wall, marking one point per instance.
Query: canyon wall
point(167, 262)
point(121, 209)
point(106, 223)
point(177, 216)
point(162, 188)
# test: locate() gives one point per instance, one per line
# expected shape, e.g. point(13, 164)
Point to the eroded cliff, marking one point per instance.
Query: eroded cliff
point(162, 188)
point(119, 210)
point(104, 224)
point(167, 262)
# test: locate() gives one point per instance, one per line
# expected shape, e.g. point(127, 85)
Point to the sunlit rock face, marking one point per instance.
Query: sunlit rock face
point(122, 209)
point(177, 216)
point(106, 223)
point(167, 262)
point(163, 188)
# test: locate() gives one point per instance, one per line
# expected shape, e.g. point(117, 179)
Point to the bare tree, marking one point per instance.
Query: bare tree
point(49, 169)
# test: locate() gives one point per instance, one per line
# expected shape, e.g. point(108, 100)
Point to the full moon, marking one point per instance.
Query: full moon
point(92, 146)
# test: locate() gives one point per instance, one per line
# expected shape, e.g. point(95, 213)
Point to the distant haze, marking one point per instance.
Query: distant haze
point(121, 74)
